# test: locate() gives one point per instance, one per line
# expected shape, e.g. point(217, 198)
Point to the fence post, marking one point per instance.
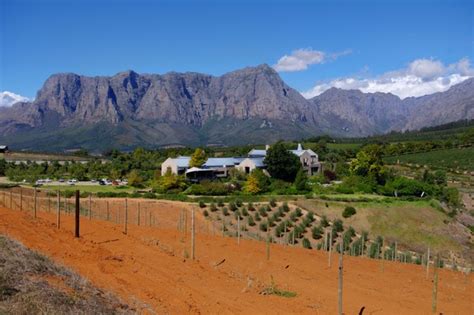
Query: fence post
point(330, 249)
point(362, 245)
point(193, 236)
point(428, 263)
point(126, 215)
point(78, 208)
point(90, 206)
point(138, 211)
point(435, 286)
point(107, 210)
point(58, 218)
point(49, 203)
point(339, 291)
point(268, 241)
point(21, 199)
point(34, 200)
point(11, 200)
point(238, 229)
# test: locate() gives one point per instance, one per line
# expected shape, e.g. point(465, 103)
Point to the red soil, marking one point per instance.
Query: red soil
point(146, 267)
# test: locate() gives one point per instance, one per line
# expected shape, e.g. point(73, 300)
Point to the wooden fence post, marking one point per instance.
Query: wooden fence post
point(107, 210)
point(49, 203)
point(238, 229)
point(268, 241)
point(435, 286)
point(193, 235)
point(362, 245)
point(58, 218)
point(11, 200)
point(21, 199)
point(90, 206)
point(330, 249)
point(78, 213)
point(138, 213)
point(126, 215)
point(34, 200)
point(339, 291)
point(383, 254)
point(428, 263)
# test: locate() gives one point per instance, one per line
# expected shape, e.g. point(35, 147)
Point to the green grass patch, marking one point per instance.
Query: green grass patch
point(90, 188)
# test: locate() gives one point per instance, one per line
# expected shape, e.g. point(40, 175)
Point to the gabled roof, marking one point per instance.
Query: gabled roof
point(197, 169)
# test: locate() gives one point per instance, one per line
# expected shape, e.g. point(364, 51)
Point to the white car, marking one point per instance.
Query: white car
point(71, 182)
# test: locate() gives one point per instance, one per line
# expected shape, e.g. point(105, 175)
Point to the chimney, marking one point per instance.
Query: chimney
point(267, 147)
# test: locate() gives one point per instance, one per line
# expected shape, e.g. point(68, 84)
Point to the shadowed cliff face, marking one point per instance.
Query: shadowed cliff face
point(150, 109)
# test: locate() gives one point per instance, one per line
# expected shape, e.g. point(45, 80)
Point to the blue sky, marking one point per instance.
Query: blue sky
point(349, 44)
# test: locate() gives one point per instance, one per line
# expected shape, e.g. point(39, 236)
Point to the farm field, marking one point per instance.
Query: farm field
point(457, 159)
point(90, 188)
point(26, 156)
point(415, 225)
point(150, 269)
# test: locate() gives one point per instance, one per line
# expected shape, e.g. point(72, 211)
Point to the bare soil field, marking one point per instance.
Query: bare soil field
point(150, 269)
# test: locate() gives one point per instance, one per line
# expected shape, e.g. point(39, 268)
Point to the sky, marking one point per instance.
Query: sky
point(409, 48)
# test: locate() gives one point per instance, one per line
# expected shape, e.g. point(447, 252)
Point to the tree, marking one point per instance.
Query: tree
point(252, 185)
point(134, 178)
point(368, 163)
point(281, 163)
point(301, 180)
point(171, 181)
point(348, 212)
point(198, 158)
point(3, 167)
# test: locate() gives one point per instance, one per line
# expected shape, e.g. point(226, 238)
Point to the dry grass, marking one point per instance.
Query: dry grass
point(32, 284)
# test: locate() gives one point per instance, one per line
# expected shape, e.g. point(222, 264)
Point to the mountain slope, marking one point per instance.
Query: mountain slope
point(251, 105)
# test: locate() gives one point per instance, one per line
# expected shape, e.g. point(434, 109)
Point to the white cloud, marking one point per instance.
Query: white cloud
point(301, 59)
point(420, 77)
point(7, 99)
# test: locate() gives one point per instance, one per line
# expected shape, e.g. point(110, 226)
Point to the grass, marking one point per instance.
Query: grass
point(30, 283)
point(457, 159)
point(274, 290)
point(413, 224)
point(25, 156)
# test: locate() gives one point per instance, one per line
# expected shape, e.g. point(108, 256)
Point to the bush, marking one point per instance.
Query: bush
point(317, 232)
point(220, 203)
point(348, 212)
point(245, 212)
point(250, 220)
point(237, 215)
point(238, 202)
point(257, 217)
point(225, 211)
point(251, 207)
point(213, 207)
point(263, 227)
point(338, 226)
point(202, 204)
point(306, 243)
point(285, 207)
point(262, 211)
point(324, 221)
point(298, 212)
point(209, 188)
point(273, 202)
point(205, 213)
point(232, 206)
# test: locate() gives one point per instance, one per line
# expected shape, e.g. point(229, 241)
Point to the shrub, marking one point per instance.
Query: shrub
point(293, 216)
point(213, 207)
point(225, 211)
point(220, 203)
point(257, 217)
point(338, 226)
point(268, 208)
point(205, 213)
point(317, 232)
point(273, 202)
point(202, 204)
point(250, 220)
point(232, 206)
point(209, 188)
point(324, 221)
point(245, 212)
point(348, 212)
point(263, 227)
point(237, 214)
point(285, 207)
point(309, 217)
point(262, 212)
point(298, 212)
point(306, 243)
point(238, 202)
point(251, 207)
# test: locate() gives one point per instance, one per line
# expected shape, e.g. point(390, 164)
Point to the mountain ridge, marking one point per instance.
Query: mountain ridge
point(153, 109)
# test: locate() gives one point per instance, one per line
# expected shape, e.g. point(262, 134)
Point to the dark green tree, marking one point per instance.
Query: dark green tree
point(281, 163)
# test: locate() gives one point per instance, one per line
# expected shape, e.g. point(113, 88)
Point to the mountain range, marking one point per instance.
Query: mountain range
point(251, 105)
